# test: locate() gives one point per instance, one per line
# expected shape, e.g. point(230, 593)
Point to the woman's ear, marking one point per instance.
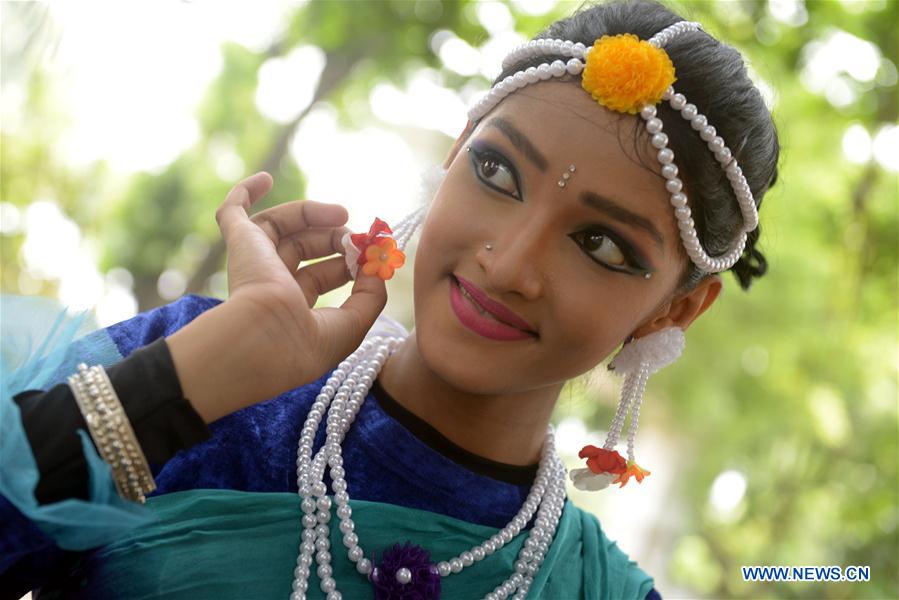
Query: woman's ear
point(683, 309)
point(457, 145)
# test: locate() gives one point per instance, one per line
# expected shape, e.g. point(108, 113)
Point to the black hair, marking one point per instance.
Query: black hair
point(713, 76)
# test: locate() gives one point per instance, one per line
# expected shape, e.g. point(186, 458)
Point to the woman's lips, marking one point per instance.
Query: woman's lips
point(474, 317)
point(495, 308)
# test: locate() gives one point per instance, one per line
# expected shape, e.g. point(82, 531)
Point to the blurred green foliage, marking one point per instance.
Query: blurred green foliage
point(793, 384)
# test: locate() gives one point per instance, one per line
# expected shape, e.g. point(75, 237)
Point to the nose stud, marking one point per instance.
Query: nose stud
point(488, 246)
point(566, 176)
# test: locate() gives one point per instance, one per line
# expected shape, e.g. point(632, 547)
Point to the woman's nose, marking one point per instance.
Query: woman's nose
point(517, 261)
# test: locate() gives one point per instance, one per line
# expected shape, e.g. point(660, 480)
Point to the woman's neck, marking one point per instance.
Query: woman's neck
point(507, 428)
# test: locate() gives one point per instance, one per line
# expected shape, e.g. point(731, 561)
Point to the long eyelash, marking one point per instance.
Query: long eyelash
point(634, 262)
point(480, 154)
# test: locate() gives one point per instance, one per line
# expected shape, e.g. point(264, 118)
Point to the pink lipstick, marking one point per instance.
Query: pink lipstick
point(485, 316)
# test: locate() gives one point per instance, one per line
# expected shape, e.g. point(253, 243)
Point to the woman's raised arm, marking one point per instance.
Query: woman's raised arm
point(264, 340)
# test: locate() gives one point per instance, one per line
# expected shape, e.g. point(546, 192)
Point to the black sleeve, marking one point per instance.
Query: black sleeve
point(148, 387)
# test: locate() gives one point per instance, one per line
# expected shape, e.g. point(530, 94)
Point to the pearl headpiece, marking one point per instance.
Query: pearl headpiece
point(650, 65)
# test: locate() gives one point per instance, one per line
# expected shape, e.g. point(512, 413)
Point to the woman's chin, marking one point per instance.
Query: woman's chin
point(453, 359)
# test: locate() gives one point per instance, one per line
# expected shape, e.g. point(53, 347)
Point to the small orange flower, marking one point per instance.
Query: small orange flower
point(600, 460)
point(362, 240)
point(382, 257)
point(633, 470)
point(623, 72)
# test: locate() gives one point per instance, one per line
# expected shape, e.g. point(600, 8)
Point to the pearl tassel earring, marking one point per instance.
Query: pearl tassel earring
point(637, 360)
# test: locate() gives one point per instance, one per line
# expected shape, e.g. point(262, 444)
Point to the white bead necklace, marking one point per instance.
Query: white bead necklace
point(345, 391)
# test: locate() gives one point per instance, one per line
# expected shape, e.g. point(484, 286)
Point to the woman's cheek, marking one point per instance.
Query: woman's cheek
point(593, 323)
point(459, 215)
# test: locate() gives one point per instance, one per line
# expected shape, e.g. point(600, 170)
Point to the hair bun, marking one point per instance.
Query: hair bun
point(752, 263)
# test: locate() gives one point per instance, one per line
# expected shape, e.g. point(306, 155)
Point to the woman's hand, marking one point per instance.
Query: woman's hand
point(267, 338)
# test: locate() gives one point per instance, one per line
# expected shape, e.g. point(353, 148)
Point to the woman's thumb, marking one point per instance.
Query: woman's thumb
point(365, 303)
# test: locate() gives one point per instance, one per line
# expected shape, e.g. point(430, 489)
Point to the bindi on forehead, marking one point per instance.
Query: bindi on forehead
point(614, 209)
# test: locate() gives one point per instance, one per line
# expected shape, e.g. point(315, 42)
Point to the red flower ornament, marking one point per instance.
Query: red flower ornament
point(375, 252)
point(600, 460)
point(362, 241)
point(604, 467)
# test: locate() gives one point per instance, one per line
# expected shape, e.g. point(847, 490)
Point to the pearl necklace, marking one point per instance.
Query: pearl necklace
point(345, 390)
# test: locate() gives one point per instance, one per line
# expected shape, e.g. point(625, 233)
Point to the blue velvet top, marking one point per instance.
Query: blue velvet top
point(254, 449)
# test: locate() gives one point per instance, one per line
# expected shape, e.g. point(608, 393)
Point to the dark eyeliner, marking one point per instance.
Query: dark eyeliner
point(481, 150)
point(636, 262)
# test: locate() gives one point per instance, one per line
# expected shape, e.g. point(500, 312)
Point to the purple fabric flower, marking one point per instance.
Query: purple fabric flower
point(425, 583)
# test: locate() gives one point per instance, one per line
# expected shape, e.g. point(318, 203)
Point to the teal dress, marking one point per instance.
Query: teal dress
point(224, 521)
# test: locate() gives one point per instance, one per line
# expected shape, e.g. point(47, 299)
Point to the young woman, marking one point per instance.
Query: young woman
point(587, 204)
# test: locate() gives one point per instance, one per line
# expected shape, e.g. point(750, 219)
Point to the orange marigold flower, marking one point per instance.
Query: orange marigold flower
point(623, 72)
point(382, 257)
point(600, 460)
point(633, 470)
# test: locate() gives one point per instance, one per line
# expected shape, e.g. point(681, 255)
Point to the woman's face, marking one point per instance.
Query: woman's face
point(570, 261)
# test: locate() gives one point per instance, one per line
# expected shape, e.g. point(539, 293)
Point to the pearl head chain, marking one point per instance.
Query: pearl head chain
point(574, 66)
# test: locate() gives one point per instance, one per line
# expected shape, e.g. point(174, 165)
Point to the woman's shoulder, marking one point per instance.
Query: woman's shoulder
point(618, 569)
point(44, 339)
point(164, 320)
point(253, 449)
point(160, 321)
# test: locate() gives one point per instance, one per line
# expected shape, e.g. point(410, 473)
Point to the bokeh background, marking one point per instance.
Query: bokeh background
point(772, 441)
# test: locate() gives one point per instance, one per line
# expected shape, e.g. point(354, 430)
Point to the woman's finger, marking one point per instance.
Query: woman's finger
point(360, 310)
point(292, 217)
point(309, 244)
point(235, 208)
point(321, 277)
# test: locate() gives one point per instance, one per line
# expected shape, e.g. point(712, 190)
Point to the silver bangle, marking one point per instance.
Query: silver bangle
point(112, 433)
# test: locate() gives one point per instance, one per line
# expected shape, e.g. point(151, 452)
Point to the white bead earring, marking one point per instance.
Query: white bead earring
point(636, 361)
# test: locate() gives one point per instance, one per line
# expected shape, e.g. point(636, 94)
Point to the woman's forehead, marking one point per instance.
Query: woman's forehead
point(564, 123)
point(554, 125)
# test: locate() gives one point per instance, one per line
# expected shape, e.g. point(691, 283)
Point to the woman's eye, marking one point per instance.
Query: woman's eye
point(604, 250)
point(494, 172)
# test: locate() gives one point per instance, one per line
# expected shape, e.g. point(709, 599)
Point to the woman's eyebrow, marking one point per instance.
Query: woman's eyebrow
point(616, 211)
point(520, 141)
point(608, 207)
